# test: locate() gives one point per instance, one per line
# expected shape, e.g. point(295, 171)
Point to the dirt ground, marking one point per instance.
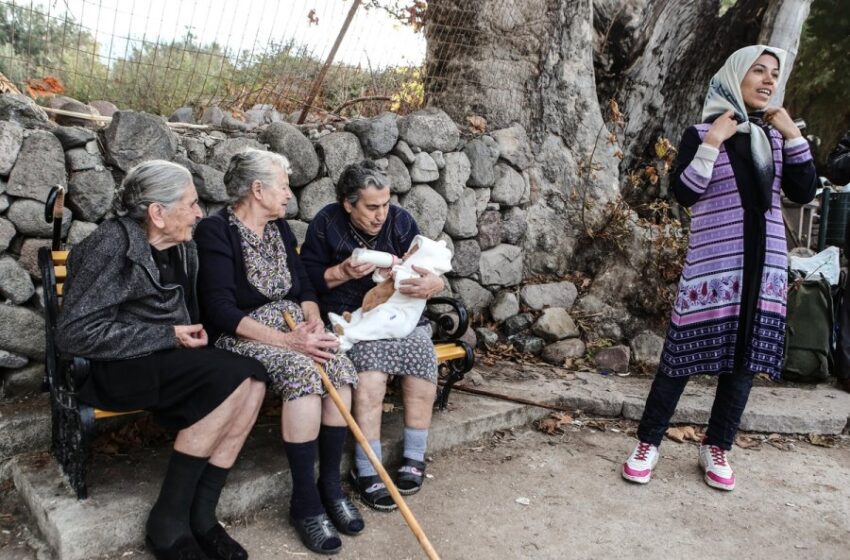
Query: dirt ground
point(792, 501)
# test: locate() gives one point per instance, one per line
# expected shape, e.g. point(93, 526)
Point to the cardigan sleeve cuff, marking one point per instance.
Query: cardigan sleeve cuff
point(797, 151)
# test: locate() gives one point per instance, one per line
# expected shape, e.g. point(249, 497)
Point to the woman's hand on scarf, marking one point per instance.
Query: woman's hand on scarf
point(778, 118)
point(317, 346)
point(722, 129)
point(427, 285)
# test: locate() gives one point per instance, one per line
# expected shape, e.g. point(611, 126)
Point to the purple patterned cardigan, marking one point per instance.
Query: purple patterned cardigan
point(704, 326)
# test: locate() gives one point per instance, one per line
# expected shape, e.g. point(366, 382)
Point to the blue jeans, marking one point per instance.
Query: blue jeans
point(730, 399)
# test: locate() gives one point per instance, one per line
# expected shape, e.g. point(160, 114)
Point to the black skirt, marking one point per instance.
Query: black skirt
point(180, 387)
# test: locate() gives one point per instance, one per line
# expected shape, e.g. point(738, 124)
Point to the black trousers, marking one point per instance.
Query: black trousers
point(730, 399)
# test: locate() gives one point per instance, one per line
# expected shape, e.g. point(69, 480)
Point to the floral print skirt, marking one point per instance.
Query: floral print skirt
point(412, 355)
point(291, 374)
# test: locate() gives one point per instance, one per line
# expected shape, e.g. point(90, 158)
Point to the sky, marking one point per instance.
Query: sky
point(373, 39)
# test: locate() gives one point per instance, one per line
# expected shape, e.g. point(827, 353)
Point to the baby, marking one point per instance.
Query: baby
point(386, 312)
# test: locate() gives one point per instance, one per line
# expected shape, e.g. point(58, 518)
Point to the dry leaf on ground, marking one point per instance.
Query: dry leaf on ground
point(821, 440)
point(554, 423)
point(681, 434)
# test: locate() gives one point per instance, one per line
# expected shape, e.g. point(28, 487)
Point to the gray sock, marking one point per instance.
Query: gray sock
point(364, 466)
point(415, 443)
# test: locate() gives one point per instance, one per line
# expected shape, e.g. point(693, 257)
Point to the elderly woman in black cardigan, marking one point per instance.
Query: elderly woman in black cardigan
point(250, 275)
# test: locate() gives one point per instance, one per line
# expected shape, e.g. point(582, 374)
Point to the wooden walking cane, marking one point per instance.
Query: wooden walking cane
point(364, 444)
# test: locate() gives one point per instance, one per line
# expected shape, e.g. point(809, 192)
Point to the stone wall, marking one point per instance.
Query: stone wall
point(471, 191)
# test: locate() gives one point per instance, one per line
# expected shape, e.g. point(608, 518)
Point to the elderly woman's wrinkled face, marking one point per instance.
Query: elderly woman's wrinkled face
point(179, 219)
point(369, 213)
point(760, 82)
point(275, 195)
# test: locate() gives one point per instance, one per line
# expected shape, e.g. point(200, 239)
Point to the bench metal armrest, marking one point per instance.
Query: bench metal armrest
point(451, 325)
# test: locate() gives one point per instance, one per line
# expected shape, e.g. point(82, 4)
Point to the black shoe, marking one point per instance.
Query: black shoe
point(317, 533)
point(410, 477)
point(184, 548)
point(218, 545)
point(345, 516)
point(373, 492)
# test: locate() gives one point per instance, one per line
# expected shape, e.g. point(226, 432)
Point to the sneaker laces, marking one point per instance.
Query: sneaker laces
point(718, 455)
point(642, 451)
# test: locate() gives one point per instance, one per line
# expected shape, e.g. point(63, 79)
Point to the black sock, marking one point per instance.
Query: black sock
point(169, 516)
point(305, 495)
point(331, 443)
point(202, 517)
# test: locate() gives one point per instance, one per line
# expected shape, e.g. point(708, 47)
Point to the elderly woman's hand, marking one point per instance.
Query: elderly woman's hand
point(427, 285)
point(315, 345)
point(353, 270)
point(191, 336)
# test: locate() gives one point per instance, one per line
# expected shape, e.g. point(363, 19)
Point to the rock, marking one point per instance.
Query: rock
point(233, 123)
point(314, 197)
point(226, 149)
point(429, 129)
point(81, 159)
point(489, 229)
point(263, 114)
point(398, 175)
point(514, 225)
point(213, 189)
point(424, 169)
point(299, 229)
point(555, 324)
point(474, 377)
point(470, 292)
point(212, 116)
point(29, 256)
point(286, 139)
point(514, 146)
point(462, 218)
point(646, 349)
point(528, 344)
point(517, 323)
point(80, 230)
point(505, 305)
point(439, 158)
point(453, 176)
point(28, 217)
point(15, 283)
point(105, 108)
point(77, 107)
point(615, 358)
point(90, 194)
point(482, 200)
point(9, 360)
point(195, 149)
point(291, 209)
point(23, 110)
point(7, 233)
point(377, 135)
point(509, 186)
point(4, 203)
point(21, 331)
point(482, 153)
point(559, 352)
point(73, 136)
point(501, 266)
point(39, 167)
point(133, 137)
point(428, 208)
point(338, 150)
point(11, 138)
point(466, 257)
point(603, 317)
point(24, 381)
point(183, 115)
point(554, 294)
point(486, 337)
point(403, 152)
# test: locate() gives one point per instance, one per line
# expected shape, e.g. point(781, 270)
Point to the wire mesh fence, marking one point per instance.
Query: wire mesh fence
point(159, 55)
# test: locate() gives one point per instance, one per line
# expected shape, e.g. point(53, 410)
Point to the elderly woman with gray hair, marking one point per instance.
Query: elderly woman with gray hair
point(130, 308)
point(250, 275)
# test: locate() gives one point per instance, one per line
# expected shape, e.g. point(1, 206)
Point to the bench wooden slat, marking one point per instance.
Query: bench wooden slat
point(100, 414)
point(59, 257)
point(59, 288)
point(61, 272)
point(448, 352)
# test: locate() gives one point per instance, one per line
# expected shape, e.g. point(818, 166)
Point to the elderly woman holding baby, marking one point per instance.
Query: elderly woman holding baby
point(363, 217)
point(250, 276)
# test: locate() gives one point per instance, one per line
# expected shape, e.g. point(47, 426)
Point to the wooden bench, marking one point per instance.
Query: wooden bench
point(73, 422)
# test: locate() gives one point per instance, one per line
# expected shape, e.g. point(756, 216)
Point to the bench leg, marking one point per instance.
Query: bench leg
point(456, 370)
point(73, 432)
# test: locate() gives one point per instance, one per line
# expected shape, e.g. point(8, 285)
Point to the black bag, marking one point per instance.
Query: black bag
point(809, 330)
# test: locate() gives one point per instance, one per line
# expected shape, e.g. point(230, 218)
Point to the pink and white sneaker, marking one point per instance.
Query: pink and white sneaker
point(638, 467)
point(718, 472)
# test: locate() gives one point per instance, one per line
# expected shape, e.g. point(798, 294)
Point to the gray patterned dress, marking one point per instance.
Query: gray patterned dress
point(291, 374)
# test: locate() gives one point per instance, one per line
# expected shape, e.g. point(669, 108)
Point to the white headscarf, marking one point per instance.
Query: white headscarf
point(724, 93)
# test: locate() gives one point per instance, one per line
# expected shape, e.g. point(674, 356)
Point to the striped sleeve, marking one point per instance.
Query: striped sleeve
point(797, 151)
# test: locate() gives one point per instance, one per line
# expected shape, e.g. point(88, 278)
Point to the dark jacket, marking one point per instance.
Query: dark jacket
point(114, 307)
point(225, 294)
point(838, 163)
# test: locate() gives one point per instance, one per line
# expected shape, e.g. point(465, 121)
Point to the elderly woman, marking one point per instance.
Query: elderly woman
point(363, 217)
point(729, 315)
point(130, 307)
point(250, 276)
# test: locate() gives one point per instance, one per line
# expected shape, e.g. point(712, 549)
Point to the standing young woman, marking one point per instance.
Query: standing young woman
point(729, 314)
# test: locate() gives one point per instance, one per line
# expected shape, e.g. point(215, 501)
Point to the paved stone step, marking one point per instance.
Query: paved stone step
point(122, 488)
point(24, 426)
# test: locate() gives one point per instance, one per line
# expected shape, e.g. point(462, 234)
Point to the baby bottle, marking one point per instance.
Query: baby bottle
point(378, 258)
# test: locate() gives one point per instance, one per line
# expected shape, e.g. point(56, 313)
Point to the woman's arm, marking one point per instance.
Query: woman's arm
point(799, 177)
point(695, 158)
point(323, 270)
